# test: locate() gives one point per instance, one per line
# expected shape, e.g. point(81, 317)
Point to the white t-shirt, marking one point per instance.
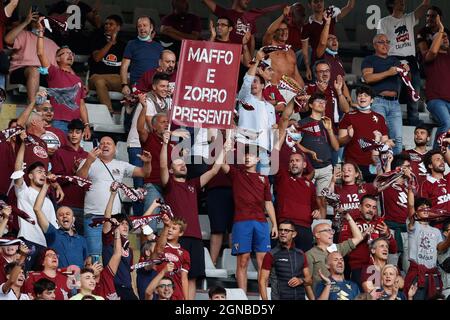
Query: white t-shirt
point(96, 198)
point(133, 135)
point(422, 242)
point(10, 295)
point(26, 197)
point(401, 34)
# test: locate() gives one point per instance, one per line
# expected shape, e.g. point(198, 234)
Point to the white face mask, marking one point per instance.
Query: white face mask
point(35, 31)
point(331, 52)
point(147, 38)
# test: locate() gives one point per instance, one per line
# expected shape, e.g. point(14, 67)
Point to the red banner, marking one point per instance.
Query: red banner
point(206, 84)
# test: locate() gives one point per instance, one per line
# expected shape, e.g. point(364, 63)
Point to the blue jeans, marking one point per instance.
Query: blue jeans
point(138, 207)
point(62, 125)
point(93, 235)
point(392, 113)
point(2, 81)
point(440, 109)
point(153, 192)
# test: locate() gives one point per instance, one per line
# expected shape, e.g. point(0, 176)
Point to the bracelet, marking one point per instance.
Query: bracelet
point(87, 124)
point(124, 84)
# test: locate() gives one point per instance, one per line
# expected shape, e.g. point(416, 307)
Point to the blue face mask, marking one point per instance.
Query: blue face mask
point(35, 31)
point(331, 52)
point(147, 38)
point(364, 109)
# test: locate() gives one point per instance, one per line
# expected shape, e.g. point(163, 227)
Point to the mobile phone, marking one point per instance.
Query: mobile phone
point(34, 8)
point(95, 258)
point(95, 142)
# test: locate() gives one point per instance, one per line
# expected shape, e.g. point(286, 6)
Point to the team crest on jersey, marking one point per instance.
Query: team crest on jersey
point(375, 119)
point(236, 246)
point(307, 183)
point(262, 179)
point(191, 189)
point(40, 152)
point(171, 257)
point(444, 190)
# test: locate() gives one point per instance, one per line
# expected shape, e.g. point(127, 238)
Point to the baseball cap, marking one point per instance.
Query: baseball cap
point(266, 63)
point(75, 124)
point(320, 221)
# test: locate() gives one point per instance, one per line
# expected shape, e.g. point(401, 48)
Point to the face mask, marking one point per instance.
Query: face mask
point(364, 109)
point(147, 38)
point(35, 31)
point(331, 52)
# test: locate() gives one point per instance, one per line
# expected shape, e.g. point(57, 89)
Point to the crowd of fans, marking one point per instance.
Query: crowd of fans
point(315, 184)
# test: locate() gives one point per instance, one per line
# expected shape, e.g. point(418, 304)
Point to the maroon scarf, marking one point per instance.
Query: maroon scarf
point(16, 211)
point(134, 194)
point(10, 132)
point(82, 183)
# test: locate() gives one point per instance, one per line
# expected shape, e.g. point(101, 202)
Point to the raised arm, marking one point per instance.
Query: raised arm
point(5, 213)
point(210, 4)
point(25, 115)
point(305, 52)
point(18, 166)
point(141, 129)
point(357, 236)
point(40, 45)
point(85, 118)
point(268, 36)
point(114, 262)
point(208, 175)
point(15, 272)
point(346, 10)
point(146, 169)
point(10, 7)
point(40, 215)
point(162, 240)
point(83, 172)
point(98, 55)
point(328, 124)
point(421, 9)
point(12, 35)
point(437, 42)
point(320, 51)
point(155, 281)
point(163, 161)
point(107, 226)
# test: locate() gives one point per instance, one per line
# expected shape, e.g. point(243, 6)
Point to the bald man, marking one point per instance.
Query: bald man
point(71, 247)
point(166, 64)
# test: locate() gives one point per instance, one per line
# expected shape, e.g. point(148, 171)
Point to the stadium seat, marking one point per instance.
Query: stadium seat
point(211, 271)
point(205, 226)
point(109, 9)
point(229, 263)
point(121, 151)
point(408, 137)
point(236, 294)
point(354, 77)
point(101, 120)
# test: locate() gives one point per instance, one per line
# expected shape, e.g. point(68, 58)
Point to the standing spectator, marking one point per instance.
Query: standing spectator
point(335, 287)
point(5, 13)
point(49, 266)
point(399, 30)
point(444, 259)
point(292, 283)
point(54, 138)
point(15, 278)
point(65, 162)
point(261, 120)
point(25, 63)
point(371, 273)
point(300, 210)
point(380, 72)
point(7, 253)
point(87, 285)
point(222, 31)
point(146, 274)
point(314, 26)
point(426, 35)
point(283, 62)
point(140, 54)
point(166, 64)
point(371, 227)
point(321, 143)
point(181, 194)
point(161, 287)
point(70, 104)
point(102, 169)
point(425, 242)
point(422, 136)
point(437, 62)
point(105, 61)
point(26, 197)
point(180, 25)
point(323, 235)
point(44, 289)
point(295, 21)
point(71, 246)
point(436, 187)
point(271, 93)
point(252, 197)
point(7, 163)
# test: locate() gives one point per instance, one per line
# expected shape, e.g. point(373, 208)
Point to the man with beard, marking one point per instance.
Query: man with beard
point(300, 210)
point(371, 228)
point(286, 268)
point(436, 187)
point(26, 197)
point(102, 169)
point(53, 137)
point(166, 64)
point(425, 35)
point(421, 138)
point(181, 195)
point(71, 247)
point(335, 287)
point(371, 273)
point(65, 162)
point(283, 62)
point(15, 278)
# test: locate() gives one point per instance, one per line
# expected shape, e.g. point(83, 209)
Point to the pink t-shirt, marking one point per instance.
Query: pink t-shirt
point(24, 54)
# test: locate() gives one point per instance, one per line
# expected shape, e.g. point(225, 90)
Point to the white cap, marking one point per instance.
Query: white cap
point(267, 62)
point(320, 221)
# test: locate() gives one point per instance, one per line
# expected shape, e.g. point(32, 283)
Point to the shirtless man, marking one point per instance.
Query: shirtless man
point(283, 62)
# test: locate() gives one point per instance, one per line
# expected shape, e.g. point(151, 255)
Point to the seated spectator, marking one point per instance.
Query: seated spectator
point(167, 64)
point(65, 162)
point(105, 61)
point(54, 138)
point(335, 287)
point(102, 169)
point(292, 283)
point(323, 234)
point(161, 287)
point(390, 287)
point(44, 289)
point(49, 266)
point(140, 54)
point(65, 87)
point(87, 285)
point(437, 66)
point(444, 261)
point(71, 246)
point(15, 277)
point(25, 63)
point(180, 25)
point(217, 293)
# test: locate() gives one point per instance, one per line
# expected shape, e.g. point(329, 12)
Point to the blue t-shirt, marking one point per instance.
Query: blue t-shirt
point(340, 290)
point(379, 65)
point(143, 279)
point(72, 250)
point(144, 55)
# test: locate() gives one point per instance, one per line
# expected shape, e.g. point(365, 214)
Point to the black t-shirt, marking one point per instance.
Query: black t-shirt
point(111, 62)
point(320, 144)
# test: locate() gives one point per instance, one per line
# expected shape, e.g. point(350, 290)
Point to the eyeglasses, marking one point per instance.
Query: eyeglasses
point(327, 230)
point(323, 71)
point(163, 286)
point(70, 53)
point(223, 24)
point(387, 42)
point(47, 109)
point(285, 230)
